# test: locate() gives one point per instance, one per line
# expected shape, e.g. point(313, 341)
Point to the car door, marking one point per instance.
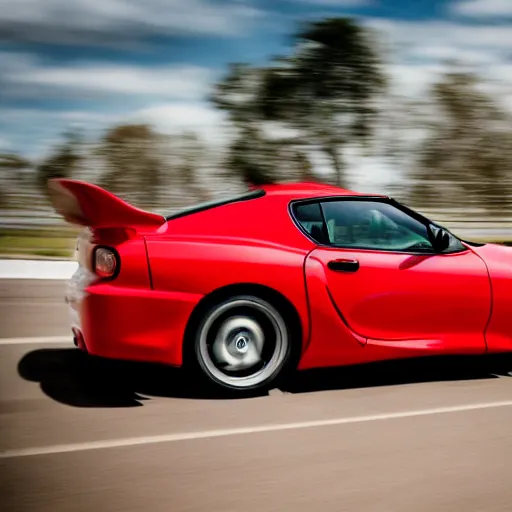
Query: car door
point(388, 283)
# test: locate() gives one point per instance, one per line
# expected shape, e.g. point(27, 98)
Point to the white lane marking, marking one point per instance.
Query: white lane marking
point(49, 340)
point(207, 434)
point(37, 269)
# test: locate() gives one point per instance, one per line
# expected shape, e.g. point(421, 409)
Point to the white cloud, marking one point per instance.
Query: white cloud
point(444, 53)
point(33, 131)
point(84, 117)
point(176, 117)
point(92, 21)
point(419, 49)
point(183, 82)
point(482, 8)
point(174, 95)
point(412, 34)
point(37, 129)
point(337, 3)
point(414, 80)
point(24, 115)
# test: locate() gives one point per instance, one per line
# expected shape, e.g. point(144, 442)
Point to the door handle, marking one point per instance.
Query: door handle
point(343, 265)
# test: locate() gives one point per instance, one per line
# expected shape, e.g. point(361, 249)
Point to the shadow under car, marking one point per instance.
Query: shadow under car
point(74, 378)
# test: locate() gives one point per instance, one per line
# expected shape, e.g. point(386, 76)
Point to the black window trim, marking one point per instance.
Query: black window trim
point(377, 199)
point(246, 196)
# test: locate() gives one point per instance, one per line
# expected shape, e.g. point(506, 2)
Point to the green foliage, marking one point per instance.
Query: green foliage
point(334, 70)
point(252, 158)
point(13, 163)
point(4, 199)
point(62, 161)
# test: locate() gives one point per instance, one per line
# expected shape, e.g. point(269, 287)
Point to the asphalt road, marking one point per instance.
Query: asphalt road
point(79, 435)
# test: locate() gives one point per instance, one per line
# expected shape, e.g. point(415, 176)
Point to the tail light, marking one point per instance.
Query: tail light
point(105, 262)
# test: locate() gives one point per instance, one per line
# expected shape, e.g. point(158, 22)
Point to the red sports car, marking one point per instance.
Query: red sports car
point(282, 277)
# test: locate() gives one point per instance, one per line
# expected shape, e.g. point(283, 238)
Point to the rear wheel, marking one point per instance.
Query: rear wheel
point(242, 343)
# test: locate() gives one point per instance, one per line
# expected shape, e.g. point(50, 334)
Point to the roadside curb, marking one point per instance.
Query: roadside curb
point(46, 340)
point(37, 269)
point(34, 257)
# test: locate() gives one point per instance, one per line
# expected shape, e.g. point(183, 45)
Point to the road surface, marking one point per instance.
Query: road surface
point(77, 435)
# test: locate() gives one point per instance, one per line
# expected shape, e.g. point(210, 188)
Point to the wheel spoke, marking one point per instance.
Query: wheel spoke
point(238, 344)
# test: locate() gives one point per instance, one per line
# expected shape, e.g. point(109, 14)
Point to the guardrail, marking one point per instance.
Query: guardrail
point(465, 222)
point(451, 220)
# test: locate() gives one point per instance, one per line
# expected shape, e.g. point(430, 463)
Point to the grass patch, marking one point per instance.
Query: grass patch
point(45, 246)
point(42, 232)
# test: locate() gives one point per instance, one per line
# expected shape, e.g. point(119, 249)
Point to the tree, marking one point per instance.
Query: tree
point(253, 158)
point(133, 166)
point(468, 151)
point(13, 163)
point(325, 90)
point(259, 160)
point(62, 161)
point(12, 167)
point(187, 156)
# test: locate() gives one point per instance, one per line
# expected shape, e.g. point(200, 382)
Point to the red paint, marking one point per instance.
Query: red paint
point(499, 262)
point(440, 297)
point(392, 305)
point(89, 205)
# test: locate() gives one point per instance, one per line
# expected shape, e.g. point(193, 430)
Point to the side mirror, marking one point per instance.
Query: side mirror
point(439, 238)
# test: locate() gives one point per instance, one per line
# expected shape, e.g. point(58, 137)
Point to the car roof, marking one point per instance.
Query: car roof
point(305, 190)
point(287, 191)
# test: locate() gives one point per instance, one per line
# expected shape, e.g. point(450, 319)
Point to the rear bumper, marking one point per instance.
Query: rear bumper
point(130, 323)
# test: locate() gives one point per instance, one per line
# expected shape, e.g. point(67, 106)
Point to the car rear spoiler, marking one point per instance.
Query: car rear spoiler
point(88, 205)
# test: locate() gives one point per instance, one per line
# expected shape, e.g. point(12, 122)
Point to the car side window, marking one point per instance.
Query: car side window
point(310, 218)
point(367, 224)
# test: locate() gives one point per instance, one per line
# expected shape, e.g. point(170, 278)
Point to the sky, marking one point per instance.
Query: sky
point(91, 63)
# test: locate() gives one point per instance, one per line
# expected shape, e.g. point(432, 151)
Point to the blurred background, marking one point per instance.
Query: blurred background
point(169, 103)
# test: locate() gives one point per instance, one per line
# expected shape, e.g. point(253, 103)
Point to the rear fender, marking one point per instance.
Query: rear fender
point(202, 266)
point(130, 248)
point(110, 222)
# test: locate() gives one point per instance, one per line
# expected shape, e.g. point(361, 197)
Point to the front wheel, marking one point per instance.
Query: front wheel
point(242, 343)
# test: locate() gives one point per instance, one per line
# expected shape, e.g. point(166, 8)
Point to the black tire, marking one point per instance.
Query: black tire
point(241, 344)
